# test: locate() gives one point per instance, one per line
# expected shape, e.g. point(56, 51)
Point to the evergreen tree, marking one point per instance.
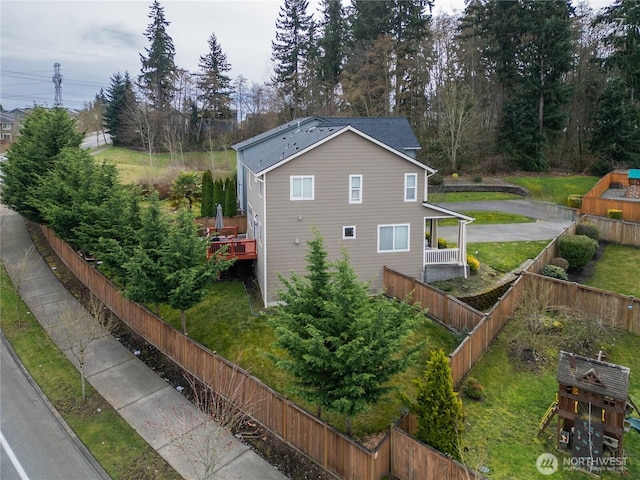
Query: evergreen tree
point(146, 273)
point(207, 208)
point(439, 410)
point(531, 48)
point(343, 346)
point(33, 155)
point(158, 67)
point(289, 52)
point(188, 273)
point(616, 132)
point(230, 205)
point(218, 193)
point(331, 46)
point(120, 105)
point(214, 85)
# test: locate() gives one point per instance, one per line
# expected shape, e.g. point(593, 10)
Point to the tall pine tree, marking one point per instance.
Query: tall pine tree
point(214, 85)
point(289, 52)
point(158, 67)
point(120, 105)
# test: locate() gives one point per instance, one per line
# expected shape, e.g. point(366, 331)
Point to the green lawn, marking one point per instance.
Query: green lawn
point(606, 273)
point(555, 189)
point(505, 256)
point(224, 323)
point(470, 196)
point(488, 217)
point(111, 440)
point(500, 432)
point(135, 166)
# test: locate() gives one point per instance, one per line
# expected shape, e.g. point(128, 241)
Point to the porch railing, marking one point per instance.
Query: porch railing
point(441, 256)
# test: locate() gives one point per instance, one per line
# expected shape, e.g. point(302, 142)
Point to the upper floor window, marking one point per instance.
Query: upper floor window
point(410, 187)
point(355, 188)
point(6, 126)
point(302, 187)
point(393, 238)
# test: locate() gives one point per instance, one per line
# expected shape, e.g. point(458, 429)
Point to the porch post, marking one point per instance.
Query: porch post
point(462, 244)
point(433, 238)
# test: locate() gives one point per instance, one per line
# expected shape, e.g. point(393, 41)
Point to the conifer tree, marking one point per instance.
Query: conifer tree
point(343, 346)
point(207, 208)
point(120, 105)
point(439, 410)
point(188, 273)
point(289, 52)
point(33, 156)
point(230, 205)
point(158, 67)
point(214, 85)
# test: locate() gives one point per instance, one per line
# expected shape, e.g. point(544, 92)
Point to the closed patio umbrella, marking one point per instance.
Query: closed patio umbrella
point(219, 218)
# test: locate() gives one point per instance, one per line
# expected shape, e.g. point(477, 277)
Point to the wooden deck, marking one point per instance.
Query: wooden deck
point(238, 248)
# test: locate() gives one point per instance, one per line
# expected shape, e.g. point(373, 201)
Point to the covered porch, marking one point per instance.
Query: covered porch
point(442, 262)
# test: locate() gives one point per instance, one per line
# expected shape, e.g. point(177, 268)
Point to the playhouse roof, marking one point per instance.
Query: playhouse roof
point(593, 375)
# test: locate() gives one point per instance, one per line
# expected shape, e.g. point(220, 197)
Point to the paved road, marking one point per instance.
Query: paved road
point(36, 443)
point(551, 220)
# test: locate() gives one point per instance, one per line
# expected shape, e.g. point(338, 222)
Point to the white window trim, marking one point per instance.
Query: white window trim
point(415, 187)
point(344, 235)
point(351, 200)
point(394, 250)
point(302, 177)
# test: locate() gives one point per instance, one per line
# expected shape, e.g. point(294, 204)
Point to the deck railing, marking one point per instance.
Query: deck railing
point(441, 256)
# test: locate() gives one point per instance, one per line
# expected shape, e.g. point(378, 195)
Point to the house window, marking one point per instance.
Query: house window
point(6, 126)
point(410, 187)
point(609, 401)
point(260, 187)
point(393, 238)
point(355, 188)
point(349, 232)
point(302, 188)
point(6, 136)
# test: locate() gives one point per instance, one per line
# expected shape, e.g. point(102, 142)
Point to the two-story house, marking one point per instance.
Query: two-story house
point(357, 181)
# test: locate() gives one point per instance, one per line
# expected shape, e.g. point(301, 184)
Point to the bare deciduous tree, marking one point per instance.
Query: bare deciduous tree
point(80, 327)
point(20, 269)
point(206, 433)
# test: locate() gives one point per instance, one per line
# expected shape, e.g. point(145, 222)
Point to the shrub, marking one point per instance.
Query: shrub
point(436, 179)
point(589, 229)
point(474, 264)
point(577, 249)
point(473, 389)
point(477, 179)
point(563, 263)
point(554, 271)
point(454, 175)
point(442, 243)
point(614, 214)
point(574, 201)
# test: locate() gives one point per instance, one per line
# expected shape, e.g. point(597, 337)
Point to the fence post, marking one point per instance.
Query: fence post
point(285, 407)
point(325, 460)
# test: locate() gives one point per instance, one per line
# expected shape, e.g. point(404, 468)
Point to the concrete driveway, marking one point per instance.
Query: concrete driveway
point(551, 220)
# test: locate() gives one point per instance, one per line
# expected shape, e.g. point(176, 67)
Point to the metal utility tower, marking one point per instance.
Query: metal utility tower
point(57, 81)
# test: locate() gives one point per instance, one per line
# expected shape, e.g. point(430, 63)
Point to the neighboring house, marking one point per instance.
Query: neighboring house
point(9, 126)
point(358, 182)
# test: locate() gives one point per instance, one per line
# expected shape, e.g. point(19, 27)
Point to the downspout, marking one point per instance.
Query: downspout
point(264, 236)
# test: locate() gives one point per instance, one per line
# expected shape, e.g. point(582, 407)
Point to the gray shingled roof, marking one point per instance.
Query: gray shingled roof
point(614, 378)
point(269, 148)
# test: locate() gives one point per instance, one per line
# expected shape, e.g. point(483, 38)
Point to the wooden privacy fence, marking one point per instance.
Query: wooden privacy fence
point(617, 231)
point(403, 456)
point(239, 221)
point(594, 204)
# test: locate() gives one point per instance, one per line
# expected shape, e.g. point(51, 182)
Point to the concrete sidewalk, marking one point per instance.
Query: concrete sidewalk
point(162, 416)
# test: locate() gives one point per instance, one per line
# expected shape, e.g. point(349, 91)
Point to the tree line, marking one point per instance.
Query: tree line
point(154, 257)
point(525, 84)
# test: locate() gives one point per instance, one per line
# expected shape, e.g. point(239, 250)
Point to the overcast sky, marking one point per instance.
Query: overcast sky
point(93, 39)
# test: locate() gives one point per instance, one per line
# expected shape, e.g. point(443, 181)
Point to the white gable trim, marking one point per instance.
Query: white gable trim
point(448, 213)
point(340, 131)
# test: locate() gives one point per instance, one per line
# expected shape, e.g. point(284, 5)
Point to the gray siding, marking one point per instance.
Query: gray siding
point(290, 222)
